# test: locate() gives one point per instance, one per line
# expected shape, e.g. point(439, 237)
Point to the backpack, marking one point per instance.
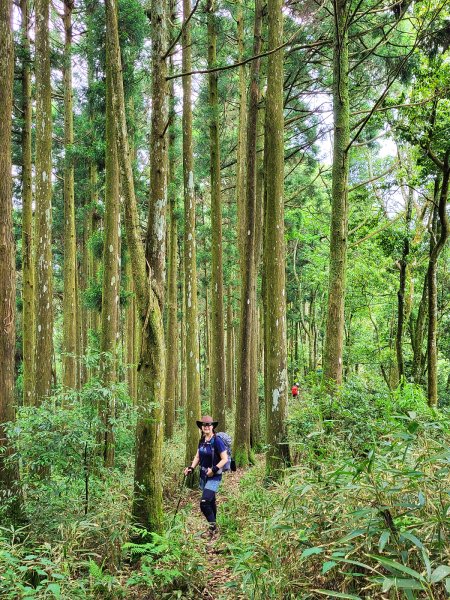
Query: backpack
point(230, 465)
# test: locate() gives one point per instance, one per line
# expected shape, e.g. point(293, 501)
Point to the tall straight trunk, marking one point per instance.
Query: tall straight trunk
point(217, 338)
point(130, 333)
point(43, 219)
point(418, 332)
point(70, 251)
point(172, 289)
point(255, 363)
point(190, 268)
point(242, 128)
point(183, 376)
point(147, 501)
point(277, 455)
point(111, 272)
point(432, 281)
point(401, 291)
point(9, 472)
point(248, 263)
point(27, 215)
point(339, 210)
point(230, 386)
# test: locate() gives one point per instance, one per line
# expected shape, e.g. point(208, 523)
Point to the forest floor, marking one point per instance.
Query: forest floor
point(213, 555)
point(216, 552)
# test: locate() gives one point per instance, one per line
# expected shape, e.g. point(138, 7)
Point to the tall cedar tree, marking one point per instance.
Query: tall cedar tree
point(8, 469)
point(172, 288)
point(27, 214)
point(190, 268)
point(247, 337)
point(43, 219)
point(334, 337)
point(70, 311)
point(217, 337)
point(111, 271)
point(147, 502)
point(277, 455)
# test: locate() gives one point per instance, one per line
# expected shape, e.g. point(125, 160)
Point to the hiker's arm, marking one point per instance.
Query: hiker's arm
point(193, 464)
point(222, 462)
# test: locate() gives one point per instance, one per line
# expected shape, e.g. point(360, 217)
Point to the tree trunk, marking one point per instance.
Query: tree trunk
point(230, 386)
point(9, 472)
point(70, 250)
point(274, 253)
point(111, 270)
point(418, 333)
point(172, 289)
point(217, 340)
point(43, 220)
point(401, 291)
point(190, 268)
point(432, 282)
point(130, 333)
point(147, 502)
point(339, 209)
point(248, 263)
point(27, 215)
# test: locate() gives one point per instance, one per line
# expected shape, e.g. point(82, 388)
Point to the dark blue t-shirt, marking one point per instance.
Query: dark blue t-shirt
point(209, 453)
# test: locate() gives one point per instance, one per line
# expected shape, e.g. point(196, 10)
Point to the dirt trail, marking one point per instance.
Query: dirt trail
point(215, 553)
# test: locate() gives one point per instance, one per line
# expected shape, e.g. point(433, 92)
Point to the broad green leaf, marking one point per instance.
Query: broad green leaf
point(311, 551)
point(400, 584)
point(393, 564)
point(327, 566)
point(439, 573)
point(412, 538)
point(55, 589)
point(352, 535)
point(337, 594)
point(384, 538)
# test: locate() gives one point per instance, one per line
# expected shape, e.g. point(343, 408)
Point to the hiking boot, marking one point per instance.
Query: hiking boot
point(211, 533)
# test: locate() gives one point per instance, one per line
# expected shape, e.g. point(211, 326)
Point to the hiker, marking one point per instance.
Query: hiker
point(212, 456)
point(294, 390)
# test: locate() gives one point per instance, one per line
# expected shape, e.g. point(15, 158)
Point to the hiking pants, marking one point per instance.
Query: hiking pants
point(208, 500)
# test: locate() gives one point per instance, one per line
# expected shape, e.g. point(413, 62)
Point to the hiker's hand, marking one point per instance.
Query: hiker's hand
point(188, 471)
point(209, 472)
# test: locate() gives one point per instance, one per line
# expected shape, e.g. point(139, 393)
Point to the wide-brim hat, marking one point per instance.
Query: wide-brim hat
point(207, 419)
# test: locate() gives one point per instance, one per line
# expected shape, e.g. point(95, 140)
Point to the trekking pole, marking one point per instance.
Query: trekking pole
point(179, 499)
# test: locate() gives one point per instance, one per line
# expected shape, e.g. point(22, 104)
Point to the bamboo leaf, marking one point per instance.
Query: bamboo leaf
point(334, 594)
point(392, 564)
point(311, 551)
point(327, 566)
point(400, 584)
point(384, 538)
point(439, 573)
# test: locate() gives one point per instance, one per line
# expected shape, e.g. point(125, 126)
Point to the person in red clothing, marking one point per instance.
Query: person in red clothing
point(294, 390)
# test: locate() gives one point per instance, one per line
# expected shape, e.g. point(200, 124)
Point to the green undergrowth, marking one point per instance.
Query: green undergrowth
point(364, 512)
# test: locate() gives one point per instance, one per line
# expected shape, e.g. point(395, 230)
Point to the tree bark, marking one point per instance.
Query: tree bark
point(111, 269)
point(147, 501)
point(190, 268)
point(43, 219)
point(217, 339)
point(339, 209)
point(274, 253)
point(70, 312)
point(27, 215)
point(172, 289)
point(432, 283)
point(242, 448)
point(401, 292)
point(9, 472)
